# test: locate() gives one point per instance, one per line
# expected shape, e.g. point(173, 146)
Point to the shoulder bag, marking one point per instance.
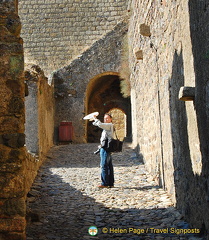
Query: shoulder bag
point(113, 145)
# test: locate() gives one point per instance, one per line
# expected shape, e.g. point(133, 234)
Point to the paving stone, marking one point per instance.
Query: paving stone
point(66, 197)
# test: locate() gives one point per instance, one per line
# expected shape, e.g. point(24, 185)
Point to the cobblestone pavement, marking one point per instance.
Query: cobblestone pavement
point(65, 200)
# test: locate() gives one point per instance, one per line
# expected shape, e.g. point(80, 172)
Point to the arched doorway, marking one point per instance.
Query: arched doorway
point(103, 95)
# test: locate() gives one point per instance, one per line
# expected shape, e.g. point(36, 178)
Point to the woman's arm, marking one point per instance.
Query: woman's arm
point(105, 126)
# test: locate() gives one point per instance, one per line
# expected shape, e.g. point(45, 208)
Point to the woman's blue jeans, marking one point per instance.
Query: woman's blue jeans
point(107, 174)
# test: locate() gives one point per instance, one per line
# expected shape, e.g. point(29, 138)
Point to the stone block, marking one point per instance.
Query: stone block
point(145, 30)
point(187, 93)
point(10, 155)
point(14, 140)
point(16, 105)
point(11, 122)
point(16, 65)
point(138, 53)
point(10, 167)
point(12, 186)
point(12, 236)
point(17, 224)
point(6, 49)
point(12, 207)
point(13, 24)
point(15, 86)
point(8, 37)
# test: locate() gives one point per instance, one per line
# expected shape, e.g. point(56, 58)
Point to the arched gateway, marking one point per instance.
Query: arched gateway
point(103, 95)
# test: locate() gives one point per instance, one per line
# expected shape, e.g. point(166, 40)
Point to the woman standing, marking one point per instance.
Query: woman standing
point(107, 174)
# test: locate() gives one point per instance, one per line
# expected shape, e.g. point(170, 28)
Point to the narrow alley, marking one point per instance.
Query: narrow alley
point(65, 201)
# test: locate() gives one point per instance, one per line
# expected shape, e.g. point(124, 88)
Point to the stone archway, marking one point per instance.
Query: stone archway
point(103, 94)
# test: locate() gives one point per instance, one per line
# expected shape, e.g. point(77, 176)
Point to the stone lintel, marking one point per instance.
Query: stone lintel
point(187, 93)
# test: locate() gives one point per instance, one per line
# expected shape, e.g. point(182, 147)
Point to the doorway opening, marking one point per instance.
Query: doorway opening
point(104, 95)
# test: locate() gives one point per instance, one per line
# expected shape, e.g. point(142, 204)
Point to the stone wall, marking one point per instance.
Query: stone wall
point(18, 168)
point(31, 112)
point(169, 50)
point(39, 126)
point(12, 115)
point(55, 31)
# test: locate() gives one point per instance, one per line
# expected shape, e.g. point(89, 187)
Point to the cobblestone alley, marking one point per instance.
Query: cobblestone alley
point(65, 201)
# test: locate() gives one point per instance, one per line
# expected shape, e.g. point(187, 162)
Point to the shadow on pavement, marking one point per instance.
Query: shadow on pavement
point(59, 209)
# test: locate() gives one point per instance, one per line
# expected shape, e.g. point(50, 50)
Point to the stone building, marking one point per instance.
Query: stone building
point(169, 97)
point(163, 64)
